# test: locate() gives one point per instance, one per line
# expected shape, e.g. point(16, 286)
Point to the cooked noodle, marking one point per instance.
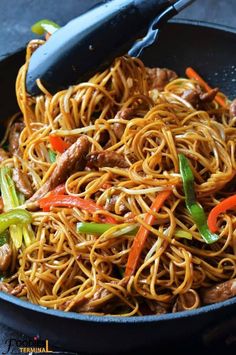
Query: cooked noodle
point(62, 268)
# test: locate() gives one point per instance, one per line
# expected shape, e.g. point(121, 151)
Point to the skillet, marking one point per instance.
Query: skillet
point(211, 50)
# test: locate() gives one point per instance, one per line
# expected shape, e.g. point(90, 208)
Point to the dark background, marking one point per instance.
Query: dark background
point(16, 18)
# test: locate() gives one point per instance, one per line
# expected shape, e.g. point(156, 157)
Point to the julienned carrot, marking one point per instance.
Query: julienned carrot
point(227, 204)
point(73, 201)
point(58, 144)
point(142, 234)
point(192, 74)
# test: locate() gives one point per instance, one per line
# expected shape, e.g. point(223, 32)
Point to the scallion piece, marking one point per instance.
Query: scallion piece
point(99, 228)
point(43, 26)
point(180, 233)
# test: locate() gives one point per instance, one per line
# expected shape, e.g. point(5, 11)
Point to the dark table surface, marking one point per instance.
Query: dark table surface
point(16, 18)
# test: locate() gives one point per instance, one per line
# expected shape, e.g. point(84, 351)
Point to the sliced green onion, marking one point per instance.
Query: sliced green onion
point(100, 228)
point(14, 217)
point(43, 26)
point(180, 233)
point(4, 238)
point(11, 201)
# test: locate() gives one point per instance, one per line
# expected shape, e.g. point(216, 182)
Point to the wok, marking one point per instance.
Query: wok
point(211, 50)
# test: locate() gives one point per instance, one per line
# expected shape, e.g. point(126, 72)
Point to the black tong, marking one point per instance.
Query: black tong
point(90, 42)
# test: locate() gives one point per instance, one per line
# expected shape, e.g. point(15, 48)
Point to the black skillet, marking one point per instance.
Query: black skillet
point(211, 50)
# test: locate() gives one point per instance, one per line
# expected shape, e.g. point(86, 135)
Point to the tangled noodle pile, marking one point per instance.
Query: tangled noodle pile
point(73, 271)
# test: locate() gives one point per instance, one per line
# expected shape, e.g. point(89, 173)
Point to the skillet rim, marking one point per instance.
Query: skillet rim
point(118, 319)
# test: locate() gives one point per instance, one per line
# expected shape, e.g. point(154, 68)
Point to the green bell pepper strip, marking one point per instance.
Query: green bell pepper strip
point(43, 26)
point(14, 217)
point(52, 156)
point(98, 228)
point(194, 208)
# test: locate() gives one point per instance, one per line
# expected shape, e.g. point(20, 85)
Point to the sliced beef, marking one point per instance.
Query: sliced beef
point(153, 307)
point(102, 300)
point(196, 97)
point(232, 109)
point(22, 182)
point(5, 287)
point(158, 78)
point(88, 306)
point(5, 257)
point(72, 160)
point(220, 292)
point(125, 114)
point(3, 155)
point(208, 97)
point(110, 205)
point(192, 96)
point(71, 139)
point(106, 159)
point(8, 288)
point(14, 136)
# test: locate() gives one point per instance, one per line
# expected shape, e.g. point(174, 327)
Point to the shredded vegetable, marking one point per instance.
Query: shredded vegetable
point(194, 208)
point(227, 204)
point(11, 202)
point(73, 201)
point(42, 26)
point(140, 238)
point(52, 156)
point(99, 228)
point(58, 144)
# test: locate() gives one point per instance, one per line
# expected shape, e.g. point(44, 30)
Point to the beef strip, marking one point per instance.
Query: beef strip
point(104, 296)
point(3, 155)
point(88, 306)
point(110, 205)
point(72, 160)
point(71, 139)
point(14, 136)
point(6, 287)
point(106, 159)
point(154, 307)
point(232, 109)
point(208, 97)
point(191, 96)
point(220, 292)
point(125, 114)
point(5, 256)
point(196, 97)
point(22, 182)
point(158, 78)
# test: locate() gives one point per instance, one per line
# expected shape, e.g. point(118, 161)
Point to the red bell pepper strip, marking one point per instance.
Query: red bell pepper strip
point(59, 190)
point(227, 204)
point(141, 236)
point(73, 201)
point(58, 144)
